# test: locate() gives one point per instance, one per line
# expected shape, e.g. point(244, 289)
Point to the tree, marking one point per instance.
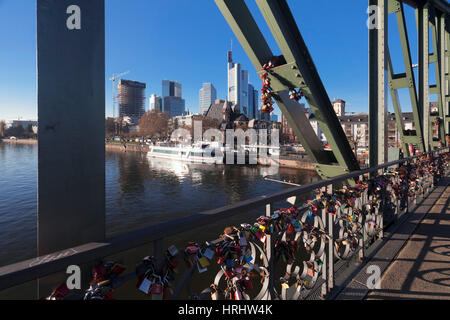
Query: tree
point(110, 127)
point(356, 140)
point(154, 124)
point(2, 129)
point(17, 132)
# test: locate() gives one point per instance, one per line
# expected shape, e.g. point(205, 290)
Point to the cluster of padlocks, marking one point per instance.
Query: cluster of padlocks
point(267, 91)
point(297, 236)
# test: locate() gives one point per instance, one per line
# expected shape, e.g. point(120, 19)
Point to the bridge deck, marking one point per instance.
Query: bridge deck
point(422, 269)
point(415, 259)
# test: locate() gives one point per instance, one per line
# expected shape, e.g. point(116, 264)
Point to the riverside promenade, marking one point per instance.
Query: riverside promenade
point(415, 262)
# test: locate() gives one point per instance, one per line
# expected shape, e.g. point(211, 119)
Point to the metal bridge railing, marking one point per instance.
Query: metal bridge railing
point(327, 234)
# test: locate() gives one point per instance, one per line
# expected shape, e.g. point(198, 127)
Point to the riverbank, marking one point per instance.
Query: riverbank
point(287, 163)
point(129, 147)
point(116, 147)
point(20, 141)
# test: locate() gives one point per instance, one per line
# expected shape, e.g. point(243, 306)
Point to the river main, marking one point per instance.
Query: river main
point(139, 192)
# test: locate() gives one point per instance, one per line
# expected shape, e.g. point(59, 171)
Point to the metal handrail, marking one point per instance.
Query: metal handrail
point(29, 270)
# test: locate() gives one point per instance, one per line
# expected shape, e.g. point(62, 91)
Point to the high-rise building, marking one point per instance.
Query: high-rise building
point(264, 116)
point(174, 106)
point(131, 99)
point(171, 89)
point(238, 86)
point(155, 103)
point(172, 101)
point(207, 96)
point(253, 103)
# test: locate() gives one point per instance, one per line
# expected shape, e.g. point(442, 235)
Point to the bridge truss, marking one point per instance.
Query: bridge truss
point(297, 71)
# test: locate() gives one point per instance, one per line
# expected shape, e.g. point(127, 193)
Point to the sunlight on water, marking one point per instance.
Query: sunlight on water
point(139, 192)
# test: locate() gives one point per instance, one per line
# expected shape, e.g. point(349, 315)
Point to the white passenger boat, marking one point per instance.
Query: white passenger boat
point(262, 150)
point(198, 153)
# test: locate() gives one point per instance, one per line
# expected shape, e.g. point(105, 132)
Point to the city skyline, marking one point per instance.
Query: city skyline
point(207, 96)
point(177, 51)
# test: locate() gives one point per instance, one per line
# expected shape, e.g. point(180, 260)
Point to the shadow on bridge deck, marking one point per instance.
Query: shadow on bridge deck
point(422, 268)
point(415, 261)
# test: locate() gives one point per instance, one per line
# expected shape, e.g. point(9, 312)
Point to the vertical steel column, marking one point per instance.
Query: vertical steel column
point(437, 59)
point(71, 110)
point(424, 65)
point(397, 106)
point(444, 71)
point(270, 250)
point(378, 39)
point(330, 226)
point(324, 258)
point(406, 80)
point(447, 74)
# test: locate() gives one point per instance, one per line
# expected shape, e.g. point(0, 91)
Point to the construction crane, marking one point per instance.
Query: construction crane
point(113, 79)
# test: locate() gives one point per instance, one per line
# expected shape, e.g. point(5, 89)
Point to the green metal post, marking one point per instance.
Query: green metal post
point(424, 87)
point(397, 107)
point(378, 66)
point(407, 80)
point(443, 69)
point(437, 59)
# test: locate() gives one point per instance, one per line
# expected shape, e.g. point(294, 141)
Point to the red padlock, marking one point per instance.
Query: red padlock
point(157, 288)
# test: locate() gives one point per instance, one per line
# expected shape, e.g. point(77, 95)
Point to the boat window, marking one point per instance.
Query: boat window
point(165, 151)
point(196, 154)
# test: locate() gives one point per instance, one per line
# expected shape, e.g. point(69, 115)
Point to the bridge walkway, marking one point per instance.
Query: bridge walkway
point(415, 261)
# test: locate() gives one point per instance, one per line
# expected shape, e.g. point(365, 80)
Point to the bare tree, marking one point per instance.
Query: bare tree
point(355, 141)
point(110, 127)
point(154, 124)
point(2, 129)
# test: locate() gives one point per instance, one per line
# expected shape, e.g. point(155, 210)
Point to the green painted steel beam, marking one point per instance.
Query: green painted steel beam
point(378, 70)
point(415, 140)
point(441, 5)
point(247, 31)
point(437, 89)
point(397, 106)
point(434, 89)
point(447, 68)
point(444, 72)
point(296, 115)
point(410, 81)
point(424, 100)
point(433, 58)
point(394, 6)
point(289, 39)
point(282, 78)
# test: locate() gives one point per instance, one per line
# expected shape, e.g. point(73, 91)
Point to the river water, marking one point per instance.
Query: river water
point(139, 192)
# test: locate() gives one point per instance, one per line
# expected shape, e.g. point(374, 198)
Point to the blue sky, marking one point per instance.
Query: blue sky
point(187, 41)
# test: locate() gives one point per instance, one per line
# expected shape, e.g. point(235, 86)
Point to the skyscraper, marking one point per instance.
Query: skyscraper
point(253, 102)
point(172, 101)
point(207, 96)
point(238, 85)
point(131, 99)
point(155, 103)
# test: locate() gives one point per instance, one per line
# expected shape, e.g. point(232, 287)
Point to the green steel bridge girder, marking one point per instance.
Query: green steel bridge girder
point(432, 14)
point(438, 39)
point(404, 80)
point(298, 71)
